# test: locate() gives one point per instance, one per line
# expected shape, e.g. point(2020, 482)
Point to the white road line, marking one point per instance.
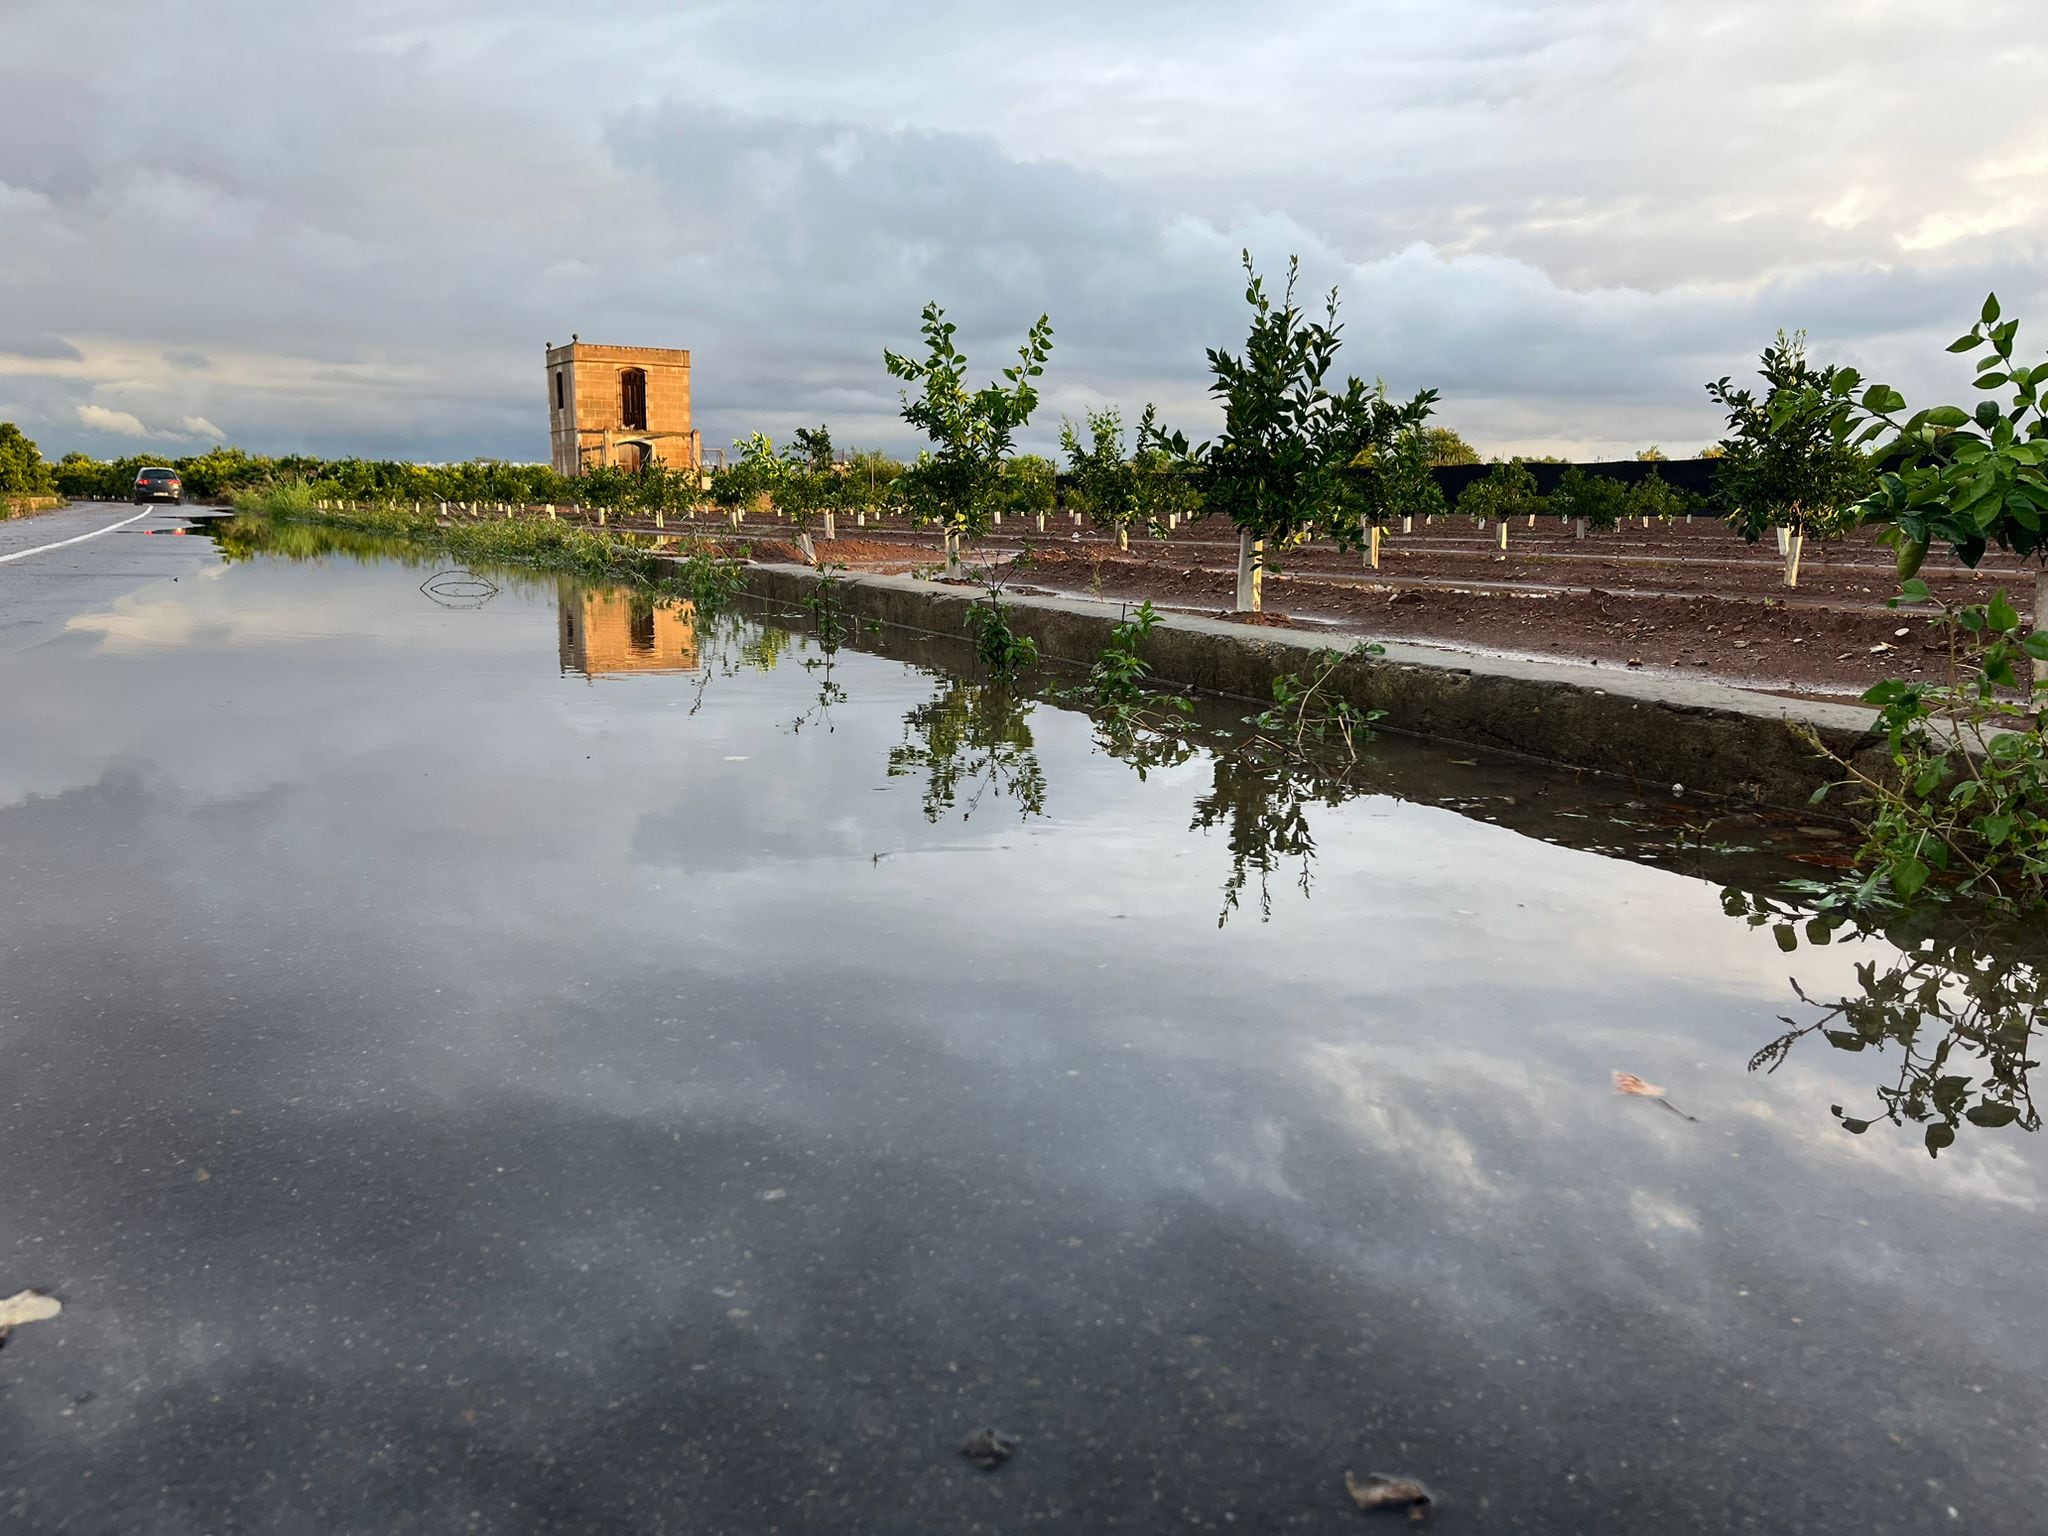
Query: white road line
point(23, 554)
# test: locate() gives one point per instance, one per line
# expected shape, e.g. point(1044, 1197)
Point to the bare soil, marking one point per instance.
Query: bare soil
point(1690, 599)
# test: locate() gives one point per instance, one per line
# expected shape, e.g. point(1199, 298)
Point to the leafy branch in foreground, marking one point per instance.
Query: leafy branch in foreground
point(1001, 649)
point(1308, 712)
point(1969, 478)
point(1965, 808)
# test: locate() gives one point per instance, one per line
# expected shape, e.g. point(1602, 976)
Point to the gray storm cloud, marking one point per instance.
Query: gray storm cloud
point(351, 228)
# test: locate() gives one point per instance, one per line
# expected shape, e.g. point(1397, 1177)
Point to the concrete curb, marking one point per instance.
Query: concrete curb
point(1655, 731)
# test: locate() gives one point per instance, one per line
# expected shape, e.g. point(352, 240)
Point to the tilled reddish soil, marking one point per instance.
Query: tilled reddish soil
point(1687, 598)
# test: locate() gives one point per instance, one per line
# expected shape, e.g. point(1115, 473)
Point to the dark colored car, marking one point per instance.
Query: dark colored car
point(159, 485)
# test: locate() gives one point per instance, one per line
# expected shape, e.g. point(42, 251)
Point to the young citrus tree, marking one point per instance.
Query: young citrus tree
point(1101, 475)
point(1588, 501)
point(1289, 440)
point(1508, 490)
point(1787, 460)
point(957, 485)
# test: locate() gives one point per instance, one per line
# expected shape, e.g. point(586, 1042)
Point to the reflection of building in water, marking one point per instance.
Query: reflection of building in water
point(605, 631)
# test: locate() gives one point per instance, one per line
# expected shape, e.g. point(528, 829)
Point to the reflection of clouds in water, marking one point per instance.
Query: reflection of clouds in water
point(1385, 1111)
point(1656, 1214)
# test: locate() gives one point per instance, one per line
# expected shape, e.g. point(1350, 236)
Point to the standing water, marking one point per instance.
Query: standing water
point(487, 1053)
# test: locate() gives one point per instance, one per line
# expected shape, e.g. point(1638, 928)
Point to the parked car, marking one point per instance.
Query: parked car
point(160, 485)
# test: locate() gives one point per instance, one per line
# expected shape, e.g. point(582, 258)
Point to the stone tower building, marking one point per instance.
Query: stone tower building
point(628, 406)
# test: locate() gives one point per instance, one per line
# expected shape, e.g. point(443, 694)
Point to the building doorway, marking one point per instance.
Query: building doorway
point(633, 399)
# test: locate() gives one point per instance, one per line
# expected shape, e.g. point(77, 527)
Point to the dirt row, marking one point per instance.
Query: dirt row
point(1685, 597)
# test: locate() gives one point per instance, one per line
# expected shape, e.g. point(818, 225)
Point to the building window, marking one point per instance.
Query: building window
point(633, 399)
point(560, 403)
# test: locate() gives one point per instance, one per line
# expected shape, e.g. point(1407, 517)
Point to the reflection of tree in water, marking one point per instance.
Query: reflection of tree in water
point(971, 737)
point(1264, 802)
point(1959, 1011)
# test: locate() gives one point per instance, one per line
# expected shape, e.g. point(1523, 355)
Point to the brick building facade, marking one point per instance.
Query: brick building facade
point(628, 406)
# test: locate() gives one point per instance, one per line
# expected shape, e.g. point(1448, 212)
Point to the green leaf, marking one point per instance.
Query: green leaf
point(1883, 400)
point(1946, 416)
point(1991, 1116)
point(1990, 315)
point(1996, 829)
point(1914, 590)
point(1963, 343)
point(2036, 646)
point(1939, 1138)
point(2001, 615)
point(1787, 937)
point(1908, 876)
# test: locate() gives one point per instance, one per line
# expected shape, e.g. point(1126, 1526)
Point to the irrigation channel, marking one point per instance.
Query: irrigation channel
point(489, 1052)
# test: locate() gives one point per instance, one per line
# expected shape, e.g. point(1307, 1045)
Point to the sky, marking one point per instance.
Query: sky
point(353, 227)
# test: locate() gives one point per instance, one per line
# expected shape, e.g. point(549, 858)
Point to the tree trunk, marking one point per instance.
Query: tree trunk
point(1250, 571)
point(1372, 548)
point(1503, 535)
point(831, 524)
point(1041, 522)
point(1795, 546)
point(952, 553)
point(1578, 527)
point(1408, 525)
point(810, 550)
point(1123, 537)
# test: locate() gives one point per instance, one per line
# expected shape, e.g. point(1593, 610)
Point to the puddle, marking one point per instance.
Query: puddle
point(517, 1056)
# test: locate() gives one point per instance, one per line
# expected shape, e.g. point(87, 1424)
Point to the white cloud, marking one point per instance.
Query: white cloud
point(121, 423)
point(1565, 216)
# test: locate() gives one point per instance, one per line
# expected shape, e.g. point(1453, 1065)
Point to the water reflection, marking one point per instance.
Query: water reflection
point(613, 632)
point(1960, 1011)
point(971, 739)
point(1951, 1015)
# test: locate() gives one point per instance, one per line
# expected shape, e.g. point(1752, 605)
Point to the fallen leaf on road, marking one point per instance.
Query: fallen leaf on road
point(989, 1448)
point(1628, 1082)
point(26, 1307)
point(1376, 1490)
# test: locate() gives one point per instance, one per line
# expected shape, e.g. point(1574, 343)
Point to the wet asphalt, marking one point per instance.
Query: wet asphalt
point(452, 1091)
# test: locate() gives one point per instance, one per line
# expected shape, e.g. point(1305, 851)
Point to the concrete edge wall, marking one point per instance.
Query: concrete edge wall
point(1654, 731)
point(22, 506)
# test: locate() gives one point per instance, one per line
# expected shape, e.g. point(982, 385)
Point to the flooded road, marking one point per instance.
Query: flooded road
point(518, 1060)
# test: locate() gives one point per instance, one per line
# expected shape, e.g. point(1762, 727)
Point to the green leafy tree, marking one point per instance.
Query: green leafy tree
point(1787, 460)
point(1103, 482)
point(1969, 478)
point(1281, 462)
point(22, 470)
point(1589, 501)
point(1448, 446)
point(1508, 490)
point(958, 484)
point(1656, 498)
point(1393, 477)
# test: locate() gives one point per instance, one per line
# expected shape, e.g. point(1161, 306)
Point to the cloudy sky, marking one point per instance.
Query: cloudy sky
point(352, 226)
